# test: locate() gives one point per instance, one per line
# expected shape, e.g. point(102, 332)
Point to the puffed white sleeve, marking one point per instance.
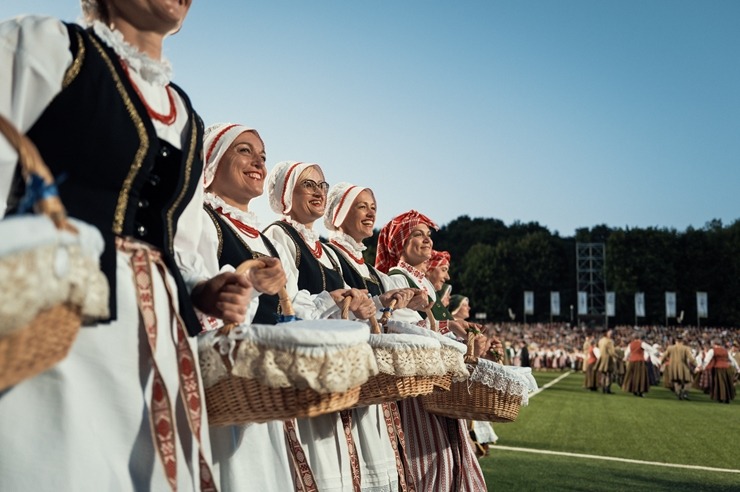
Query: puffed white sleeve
point(187, 241)
point(34, 54)
point(707, 358)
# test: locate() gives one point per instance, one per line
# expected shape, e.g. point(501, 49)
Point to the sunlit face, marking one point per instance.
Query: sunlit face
point(161, 16)
point(418, 247)
point(360, 219)
point(439, 275)
point(463, 311)
point(240, 175)
point(309, 196)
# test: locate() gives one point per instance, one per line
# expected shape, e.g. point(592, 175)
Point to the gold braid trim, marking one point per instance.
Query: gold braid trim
point(74, 70)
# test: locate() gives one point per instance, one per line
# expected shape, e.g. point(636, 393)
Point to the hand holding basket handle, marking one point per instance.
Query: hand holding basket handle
point(39, 179)
point(374, 326)
point(285, 304)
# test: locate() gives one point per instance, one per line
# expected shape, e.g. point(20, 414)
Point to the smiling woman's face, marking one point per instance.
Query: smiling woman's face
point(309, 196)
point(360, 218)
point(418, 247)
point(240, 175)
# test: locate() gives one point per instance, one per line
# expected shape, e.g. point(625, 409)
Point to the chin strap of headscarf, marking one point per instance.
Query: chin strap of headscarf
point(393, 237)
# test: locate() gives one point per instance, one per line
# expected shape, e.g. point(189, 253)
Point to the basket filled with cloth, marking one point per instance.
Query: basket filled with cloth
point(492, 392)
point(408, 365)
point(50, 279)
point(452, 352)
point(294, 369)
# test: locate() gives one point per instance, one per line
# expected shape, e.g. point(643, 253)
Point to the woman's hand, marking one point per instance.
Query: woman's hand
point(225, 296)
point(270, 279)
point(401, 296)
point(361, 305)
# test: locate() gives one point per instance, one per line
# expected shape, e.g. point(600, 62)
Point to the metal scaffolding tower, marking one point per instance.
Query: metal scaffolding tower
point(591, 275)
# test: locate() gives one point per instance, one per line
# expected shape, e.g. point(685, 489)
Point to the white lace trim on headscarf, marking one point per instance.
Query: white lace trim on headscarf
point(153, 71)
point(245, 217)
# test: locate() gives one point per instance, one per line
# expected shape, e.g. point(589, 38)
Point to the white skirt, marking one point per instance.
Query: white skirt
point(84, 425)
point(252, 457)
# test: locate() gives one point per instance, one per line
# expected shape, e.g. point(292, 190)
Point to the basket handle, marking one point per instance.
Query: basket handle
point(470, 357)
point(374, 326)
point(432, 320)
point(387, 313)
point(285, 304)
point(33, 167)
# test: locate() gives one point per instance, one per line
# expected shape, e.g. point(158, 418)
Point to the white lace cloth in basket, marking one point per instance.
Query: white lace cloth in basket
point(452, 351)
point(508, 379)
point(41, 267)
point(407, 355)
point(328, 356)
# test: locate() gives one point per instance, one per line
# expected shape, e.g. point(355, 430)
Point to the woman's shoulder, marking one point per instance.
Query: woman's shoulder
point(34, 30)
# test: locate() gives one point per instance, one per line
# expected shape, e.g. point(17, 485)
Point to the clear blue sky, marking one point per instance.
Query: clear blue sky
point(569, 113)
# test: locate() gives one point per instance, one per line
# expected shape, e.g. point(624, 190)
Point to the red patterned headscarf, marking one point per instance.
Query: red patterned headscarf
point(393, 237)
point(438, 258)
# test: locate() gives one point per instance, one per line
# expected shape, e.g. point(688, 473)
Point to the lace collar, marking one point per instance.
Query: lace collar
point(152, 71)
point(348, 242)
point(246, 217)
point(310, 236)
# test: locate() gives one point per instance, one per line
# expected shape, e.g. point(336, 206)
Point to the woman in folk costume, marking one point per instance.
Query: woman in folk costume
point(265, 456)
point(481, 433)
point(723, 368)
point(125, 409)
point(678, 371)
point(605, 366)
point(442, 458)
point(590, 380)
point(350, 218)
point(297, 192)
point(636, 379)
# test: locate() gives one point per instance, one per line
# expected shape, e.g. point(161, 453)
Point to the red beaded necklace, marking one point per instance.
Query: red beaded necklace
point(246, 229)
point(359, 261)
point(317, 251)
point(167, 119)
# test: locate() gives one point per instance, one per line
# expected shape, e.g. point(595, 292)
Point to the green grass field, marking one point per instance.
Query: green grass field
point(656, 428)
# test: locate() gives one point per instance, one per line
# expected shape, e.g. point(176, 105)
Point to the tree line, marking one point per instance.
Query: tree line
point(493, 264)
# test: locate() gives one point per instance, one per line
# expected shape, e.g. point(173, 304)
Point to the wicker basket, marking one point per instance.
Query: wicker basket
point(46, 340)
point(475, 400)
point(385, 387)
point(237, 400)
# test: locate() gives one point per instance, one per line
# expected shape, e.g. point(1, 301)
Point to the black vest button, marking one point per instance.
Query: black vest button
point(143, 203)
point(154, 179)
point(164, 151)
point(141, 230)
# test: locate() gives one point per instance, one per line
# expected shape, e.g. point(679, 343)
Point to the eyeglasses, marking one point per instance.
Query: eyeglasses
point(311, 186)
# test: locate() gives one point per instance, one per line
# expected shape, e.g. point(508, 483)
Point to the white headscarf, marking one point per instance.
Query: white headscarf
point(216, 141)
point(281, 183)
point(339, 201)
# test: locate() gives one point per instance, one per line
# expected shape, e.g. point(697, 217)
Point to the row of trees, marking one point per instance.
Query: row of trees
point(493, 264)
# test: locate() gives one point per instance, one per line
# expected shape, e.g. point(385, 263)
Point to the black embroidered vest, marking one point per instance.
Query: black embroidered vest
point(313, 276)
point(232, 250)
point(354, 278)
point(112, 170)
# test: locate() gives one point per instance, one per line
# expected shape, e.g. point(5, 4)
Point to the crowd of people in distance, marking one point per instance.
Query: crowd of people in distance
point(678, 357)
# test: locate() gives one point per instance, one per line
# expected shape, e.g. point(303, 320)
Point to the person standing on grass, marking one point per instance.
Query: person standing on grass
point(678, 370)
point(590, 381)
point(723, 369)
point(605, 365)
point(636, 379)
